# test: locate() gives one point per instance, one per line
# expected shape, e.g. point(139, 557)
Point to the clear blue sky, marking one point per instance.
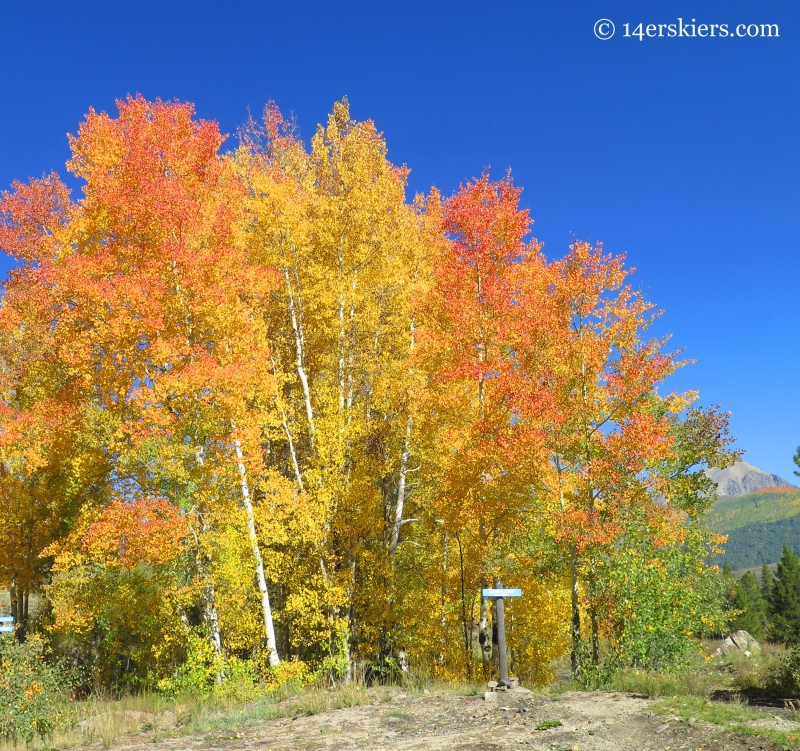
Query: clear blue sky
point(683, 153)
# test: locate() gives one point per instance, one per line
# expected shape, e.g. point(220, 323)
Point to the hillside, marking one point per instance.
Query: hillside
point(763, 506)
point(761, 543)
point(757, 524)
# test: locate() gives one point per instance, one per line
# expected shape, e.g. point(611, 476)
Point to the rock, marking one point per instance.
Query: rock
point(741, 641)
point(390, 734)
point(748, 653)
point(492, 684)
point(693, 721)
point(514, 682)
point(661, 728)
point(490, 696)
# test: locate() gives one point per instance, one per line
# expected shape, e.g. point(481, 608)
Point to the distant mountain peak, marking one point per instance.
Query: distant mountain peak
point(743, 478)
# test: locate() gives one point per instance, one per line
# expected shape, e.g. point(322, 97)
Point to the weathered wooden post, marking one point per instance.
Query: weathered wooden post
point(499, 594)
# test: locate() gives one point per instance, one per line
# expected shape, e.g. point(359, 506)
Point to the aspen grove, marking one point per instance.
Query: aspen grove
point(257, 406)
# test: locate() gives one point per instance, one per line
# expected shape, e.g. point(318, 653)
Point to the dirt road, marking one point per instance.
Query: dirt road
point(589, 722)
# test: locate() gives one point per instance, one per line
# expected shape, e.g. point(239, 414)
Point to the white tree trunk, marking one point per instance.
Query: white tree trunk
point(397, 522)
point(401, 484)
point(292, 452)
point(485, 637)
point(301, 371)
point(210, 615)
point(285, 422)
point(262, 582)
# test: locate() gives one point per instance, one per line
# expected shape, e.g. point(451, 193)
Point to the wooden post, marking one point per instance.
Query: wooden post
point(498, 594)
point(501, 641)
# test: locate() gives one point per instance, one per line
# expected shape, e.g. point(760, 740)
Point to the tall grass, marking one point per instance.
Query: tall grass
point(705, 673)
point(108, 720)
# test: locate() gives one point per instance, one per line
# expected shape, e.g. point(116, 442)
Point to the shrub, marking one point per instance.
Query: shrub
point(784, 678)
point(199, 672)
point(658, 601)
point(35, 692)
point(289, 673)
point(241, 682)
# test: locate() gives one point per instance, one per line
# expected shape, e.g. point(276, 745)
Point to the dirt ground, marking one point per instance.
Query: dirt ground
point(589, 722)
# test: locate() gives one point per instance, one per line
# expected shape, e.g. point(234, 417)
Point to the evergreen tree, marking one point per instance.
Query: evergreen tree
point(728, 584)
point(750, 607)
point(785, 600)
point(767, 580)
point(767, 583)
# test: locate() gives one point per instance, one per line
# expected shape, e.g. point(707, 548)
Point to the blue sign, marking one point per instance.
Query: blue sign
point(502, 593)
point(6, 618)
point(6, 629)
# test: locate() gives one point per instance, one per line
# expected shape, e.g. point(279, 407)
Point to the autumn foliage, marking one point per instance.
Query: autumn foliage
point(260, 401)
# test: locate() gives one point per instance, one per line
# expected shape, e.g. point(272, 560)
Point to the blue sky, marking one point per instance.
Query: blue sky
point(683, 153)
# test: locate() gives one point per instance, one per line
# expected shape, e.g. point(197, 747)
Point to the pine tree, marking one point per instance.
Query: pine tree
point(747, 600)
point(767, 581)
point(728, 584)
point(785, 600)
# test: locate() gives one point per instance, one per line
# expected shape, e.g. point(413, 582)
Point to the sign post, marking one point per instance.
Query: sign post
point(6, 624)
point(499, 594)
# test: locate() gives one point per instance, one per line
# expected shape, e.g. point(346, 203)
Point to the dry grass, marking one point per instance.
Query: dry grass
point(705, 673)
point(109, 720)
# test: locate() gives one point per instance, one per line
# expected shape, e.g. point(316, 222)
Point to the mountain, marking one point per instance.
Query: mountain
point(743, 478)
point(759, 512)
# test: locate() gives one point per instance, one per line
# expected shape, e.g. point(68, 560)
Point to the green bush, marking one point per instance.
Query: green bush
point(784, 678)
point(200, 671)
point(205, 673)
point(35, 693)
point(657, 602)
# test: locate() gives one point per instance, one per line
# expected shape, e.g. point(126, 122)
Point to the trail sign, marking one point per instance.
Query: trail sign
point(498, 593)
point(6, 618)
point(502, 593)
point(6, 624)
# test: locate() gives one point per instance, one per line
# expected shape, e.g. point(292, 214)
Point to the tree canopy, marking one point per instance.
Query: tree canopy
point(258, 400)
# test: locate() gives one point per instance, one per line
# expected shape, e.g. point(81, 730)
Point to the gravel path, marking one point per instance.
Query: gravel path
point(589, 722)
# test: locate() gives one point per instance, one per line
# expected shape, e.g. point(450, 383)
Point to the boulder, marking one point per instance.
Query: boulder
point(741, 641)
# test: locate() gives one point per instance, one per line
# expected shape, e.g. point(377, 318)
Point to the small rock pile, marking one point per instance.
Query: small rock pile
point(513, 688)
